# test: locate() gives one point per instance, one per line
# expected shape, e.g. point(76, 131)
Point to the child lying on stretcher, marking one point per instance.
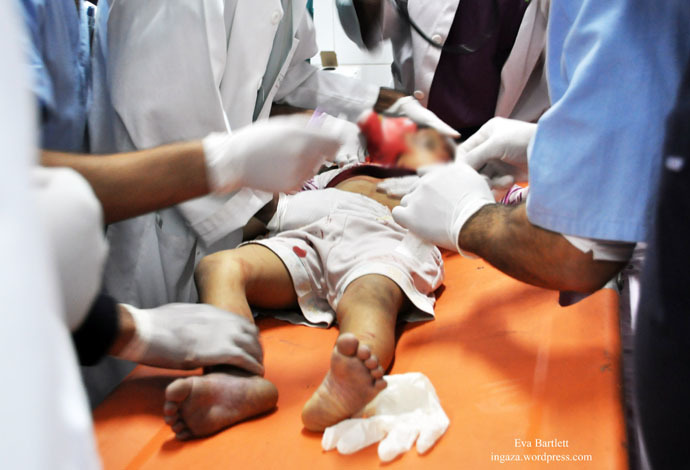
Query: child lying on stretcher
point(337, 258)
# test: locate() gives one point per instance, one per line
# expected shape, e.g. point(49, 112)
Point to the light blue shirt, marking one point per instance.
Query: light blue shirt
point(614, 67)
point(59, 57)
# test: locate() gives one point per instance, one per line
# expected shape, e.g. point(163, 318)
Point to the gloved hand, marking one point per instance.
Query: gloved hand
point(187, 336)
point(297, 210)
point(440, 204)
point(398, 186)
point(72, 217)
point(410, 107)
point(499, 148)
point(353, 149)
point(272, 155)
point(408, 409)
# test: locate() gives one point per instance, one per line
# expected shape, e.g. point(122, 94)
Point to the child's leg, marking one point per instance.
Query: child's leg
point(202, 405)
point(367, 315)
point(251, 274)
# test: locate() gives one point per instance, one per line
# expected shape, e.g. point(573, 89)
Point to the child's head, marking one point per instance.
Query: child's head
point(425, 147)
point(399, 142)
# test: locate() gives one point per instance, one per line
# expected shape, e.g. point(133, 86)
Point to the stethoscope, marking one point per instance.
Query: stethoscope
point(459, 49)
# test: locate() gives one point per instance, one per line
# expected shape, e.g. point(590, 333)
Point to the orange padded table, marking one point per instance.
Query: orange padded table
point(512, 369)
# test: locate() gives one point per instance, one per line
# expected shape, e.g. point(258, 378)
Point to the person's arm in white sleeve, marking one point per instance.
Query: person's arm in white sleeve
point(72, 220)
point(304, 86)
point(42, 401)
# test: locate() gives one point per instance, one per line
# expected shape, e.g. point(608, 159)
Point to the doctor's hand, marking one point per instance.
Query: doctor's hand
point(297, 210)
point(408, 106)
point(441, 202)
point(498, 149)
point(407, 410)
point(353, 147)
point(187, 336)
point(273, 155)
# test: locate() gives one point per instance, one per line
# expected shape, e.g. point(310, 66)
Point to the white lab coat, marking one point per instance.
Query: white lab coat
point(45, 416)
point(177, 70)
point(72, 219)
point(523, 94)
point(415, 60)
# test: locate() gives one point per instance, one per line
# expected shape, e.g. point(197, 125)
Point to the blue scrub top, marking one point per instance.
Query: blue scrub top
point(614, 68)
point(59, 57)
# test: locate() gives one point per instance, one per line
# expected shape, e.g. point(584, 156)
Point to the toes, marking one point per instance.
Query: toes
point(372, 363)
point(380, 384)
point(363, 352)
point(377, 373)
point(184, 435)
point(179, 427)
point(170, 420)
point(347, 344)
point(170, 408)
point(179, 390)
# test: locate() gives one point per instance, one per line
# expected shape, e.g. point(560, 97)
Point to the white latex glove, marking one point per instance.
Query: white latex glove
point(187, 336)
point(440, 204)
point(354, 145)
point(499, 148)
point(297, 210)
point(413, 109)
point(398, 186)
point(72, 217)
point(407, 410)
point(273, 155)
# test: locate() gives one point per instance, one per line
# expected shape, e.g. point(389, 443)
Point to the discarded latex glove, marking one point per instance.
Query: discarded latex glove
point(407, 410)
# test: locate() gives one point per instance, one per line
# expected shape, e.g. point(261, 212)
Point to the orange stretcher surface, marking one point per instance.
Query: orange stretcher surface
point(509, 365)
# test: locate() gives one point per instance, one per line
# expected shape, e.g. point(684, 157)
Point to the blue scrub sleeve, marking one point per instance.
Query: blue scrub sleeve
point(42, 85)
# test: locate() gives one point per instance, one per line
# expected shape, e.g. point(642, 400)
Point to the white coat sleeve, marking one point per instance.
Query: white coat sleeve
point(44, 411)
point(72, 219)
point(151, 110)
point(305, 86)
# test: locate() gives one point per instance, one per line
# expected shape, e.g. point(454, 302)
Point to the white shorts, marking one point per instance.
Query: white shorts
point(354, 240)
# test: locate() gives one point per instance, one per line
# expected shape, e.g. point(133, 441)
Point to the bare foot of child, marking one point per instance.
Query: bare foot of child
point(202, 405)
point(354, 379)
